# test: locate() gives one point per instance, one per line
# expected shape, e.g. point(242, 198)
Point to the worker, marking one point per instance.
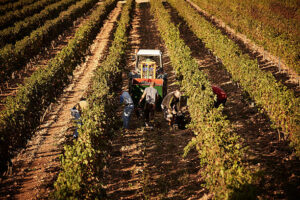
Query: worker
point(129, 106)
point(221, 96)
point(76, 112)
point(83, 104)
point(171, 106)
point(151, 95)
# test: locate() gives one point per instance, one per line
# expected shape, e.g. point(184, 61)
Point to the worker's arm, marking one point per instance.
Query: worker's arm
point(156, 96)
point(143, 96)
point(179, 104)
point(121, 99)
point(170, 102)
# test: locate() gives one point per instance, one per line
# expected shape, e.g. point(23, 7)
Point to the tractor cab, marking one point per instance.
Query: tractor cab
point(148, 68)
point(148, 57)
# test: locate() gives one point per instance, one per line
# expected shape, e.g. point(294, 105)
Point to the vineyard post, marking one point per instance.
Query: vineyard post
point(279, 136)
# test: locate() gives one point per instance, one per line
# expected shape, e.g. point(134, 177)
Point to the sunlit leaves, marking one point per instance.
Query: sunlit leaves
point(84, 160)
point(219, 152)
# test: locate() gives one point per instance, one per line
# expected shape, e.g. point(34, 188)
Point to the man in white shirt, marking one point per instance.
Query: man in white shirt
point(151, 95)
point(129, 106)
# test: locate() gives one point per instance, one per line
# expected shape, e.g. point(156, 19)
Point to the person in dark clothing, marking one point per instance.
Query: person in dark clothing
point(129, 106)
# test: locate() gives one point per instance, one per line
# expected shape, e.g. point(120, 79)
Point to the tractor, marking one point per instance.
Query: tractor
point(148, 68)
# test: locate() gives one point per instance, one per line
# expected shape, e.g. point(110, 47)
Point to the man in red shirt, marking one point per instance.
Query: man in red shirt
point(221, 95)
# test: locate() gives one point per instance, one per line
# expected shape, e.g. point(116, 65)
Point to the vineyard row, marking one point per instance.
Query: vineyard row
point(276, 100)
point(277, 30)
point(14, 6)
point(83, 161)
point(3, 2)
point(14, 57)
point(24, 27)
point(218, 146)
point(13, 16)
point(23, 112)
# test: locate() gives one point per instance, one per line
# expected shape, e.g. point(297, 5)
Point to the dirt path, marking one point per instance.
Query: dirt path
point(36, 167)
point(149, 164)
point(279, 168)
point(10, 87)
point(266, 60)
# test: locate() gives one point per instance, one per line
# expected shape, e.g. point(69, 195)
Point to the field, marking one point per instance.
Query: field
point(53, 53)
point(274, 25)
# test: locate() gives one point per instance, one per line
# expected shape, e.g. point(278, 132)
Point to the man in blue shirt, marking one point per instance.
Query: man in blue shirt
point(129, 106)
point(76, 111)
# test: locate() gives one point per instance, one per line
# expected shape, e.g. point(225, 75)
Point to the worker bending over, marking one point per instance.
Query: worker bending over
point(221, 96)
point(171, 106)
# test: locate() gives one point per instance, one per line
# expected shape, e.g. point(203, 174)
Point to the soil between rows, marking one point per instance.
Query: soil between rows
point(267, 62)
point(10, 87)
point(36, 167)
point(149, 164)
point(279, 168)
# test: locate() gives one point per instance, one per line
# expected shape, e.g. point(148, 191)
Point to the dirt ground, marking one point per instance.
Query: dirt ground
point(279, 168)
point(36, 168)
point(266, 60)
point(149, 164)
point(10, 87)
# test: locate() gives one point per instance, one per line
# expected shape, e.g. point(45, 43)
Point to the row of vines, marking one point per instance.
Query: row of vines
point(13, 16)
point(272, 24)
point(4, 2)
point(14, 57)
point(219, 147)
point(83, 161)
point(11, 6)
point(22, 28)
point(276, 100)
point(23, 112)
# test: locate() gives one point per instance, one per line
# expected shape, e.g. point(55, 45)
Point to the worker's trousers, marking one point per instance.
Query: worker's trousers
point(149, 112)
point(126, 115)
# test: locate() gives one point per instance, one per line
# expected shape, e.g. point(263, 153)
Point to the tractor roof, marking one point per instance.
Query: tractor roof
point(149, 52)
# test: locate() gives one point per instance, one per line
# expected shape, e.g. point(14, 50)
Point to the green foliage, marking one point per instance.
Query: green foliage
point(23, 112)
point(14, 6)
point(273, 24)
point(83, 161)
point(279, 103)
point(22, 28)
point(15, 15)
point(219, 147)
point(14, 57)
point(4, 2)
